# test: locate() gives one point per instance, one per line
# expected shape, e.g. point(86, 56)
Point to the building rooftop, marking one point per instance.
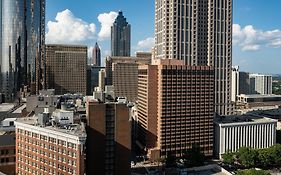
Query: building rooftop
point(259, 96)
point(71, 129)
point(5, 107)
point(247, 118)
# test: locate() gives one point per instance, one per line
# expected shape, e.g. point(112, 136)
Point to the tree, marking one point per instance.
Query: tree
point(252, 172)
point(247, 157)
point(228, 158)
point(194, 157)
point(265, 157)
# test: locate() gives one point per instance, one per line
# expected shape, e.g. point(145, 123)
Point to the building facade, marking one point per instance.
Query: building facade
point(49, 149)
point(66, 68)
point(121, 37)
point(234, 132)
point(122, 73)
point(108, 138)
point(260, 84)
point(199, 33)
point(96, 55)
point(20, 46)
point(175, 107)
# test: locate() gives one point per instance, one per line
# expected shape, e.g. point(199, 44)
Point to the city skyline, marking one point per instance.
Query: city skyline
point(251, 53)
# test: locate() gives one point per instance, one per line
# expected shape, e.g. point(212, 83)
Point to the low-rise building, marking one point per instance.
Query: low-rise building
point(44, 146)
point(234, 132)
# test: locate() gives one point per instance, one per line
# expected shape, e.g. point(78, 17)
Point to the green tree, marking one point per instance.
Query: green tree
point(265, 157)
point(252, 172)
point(228, 158)
point(194, 157)
point(275, 151)
point(170, 160)
point(247, 157)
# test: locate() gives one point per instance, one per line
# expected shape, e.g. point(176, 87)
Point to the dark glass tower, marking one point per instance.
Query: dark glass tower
point(22, 36)
point(120, 37)
point(96, 55)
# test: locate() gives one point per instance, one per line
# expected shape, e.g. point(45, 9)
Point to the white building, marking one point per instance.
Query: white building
point(260, 84)
point(234, 132)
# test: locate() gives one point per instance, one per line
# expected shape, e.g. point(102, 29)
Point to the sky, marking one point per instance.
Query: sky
point(256, 28)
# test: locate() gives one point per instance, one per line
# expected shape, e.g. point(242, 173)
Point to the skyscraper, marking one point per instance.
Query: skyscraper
point(200, 33)
point(96, 55)
point(22, 36)
point(120, 37)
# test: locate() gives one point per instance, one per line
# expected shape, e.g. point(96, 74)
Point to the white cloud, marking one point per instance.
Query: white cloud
point(106, 20)
point(145, 45)
point(251, 39)
point(69, 29)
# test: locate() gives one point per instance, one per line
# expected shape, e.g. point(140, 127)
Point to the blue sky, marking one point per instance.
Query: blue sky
point(257, 28)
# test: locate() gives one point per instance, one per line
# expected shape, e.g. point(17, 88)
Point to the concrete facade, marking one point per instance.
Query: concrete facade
point(66, 68)
point(108, 138)
point(260, 84)
point(234, 132)
point(175, 107)
point(199, 33)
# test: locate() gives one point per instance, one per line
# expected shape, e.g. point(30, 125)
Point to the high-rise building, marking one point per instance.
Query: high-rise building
point(66, 68)
point(260, 84)
point(96, 55)
point(42, 148)
point(240, 83)
point(121, 37)
point(175, 107)
point(108, 138)
point(200, 33)
point(93, 78)
point(122, 73)
point(22, 36)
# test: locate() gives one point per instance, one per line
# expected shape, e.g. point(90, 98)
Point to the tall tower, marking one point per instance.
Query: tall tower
point(200, 33)
point(96, 55)
point(120, 37)
point(22, 35)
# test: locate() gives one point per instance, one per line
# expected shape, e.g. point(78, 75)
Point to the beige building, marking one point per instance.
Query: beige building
point(175, 107)
point(122, 73)
point(199, 33)
point(66, 68)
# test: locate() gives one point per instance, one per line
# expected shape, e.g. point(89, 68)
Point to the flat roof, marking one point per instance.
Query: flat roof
point(247, 118)
point(71, 129)
point(259, 96)
point(5, 107)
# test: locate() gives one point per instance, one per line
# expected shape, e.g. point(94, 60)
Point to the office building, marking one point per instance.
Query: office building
point(144, 55)
point(22, 36)
point(93, 78)
point(175, 107)
point(199, 33)
point(45, 146)
point(7, 146)
point(260, 84)
point(122, 73)
point(66, 68)
point(108, 138)
point(96, 55)
point(235, 83)
point(101, 84)
point(121, 37)
point(234, 132)
point(244, 83)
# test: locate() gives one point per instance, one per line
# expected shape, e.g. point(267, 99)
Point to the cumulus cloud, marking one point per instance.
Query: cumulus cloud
point(251, 39)
point(106, 20)
point(145, 45)
point(69, 29)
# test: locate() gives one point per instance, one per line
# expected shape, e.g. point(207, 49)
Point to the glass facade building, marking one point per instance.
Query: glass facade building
point(22, 36)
